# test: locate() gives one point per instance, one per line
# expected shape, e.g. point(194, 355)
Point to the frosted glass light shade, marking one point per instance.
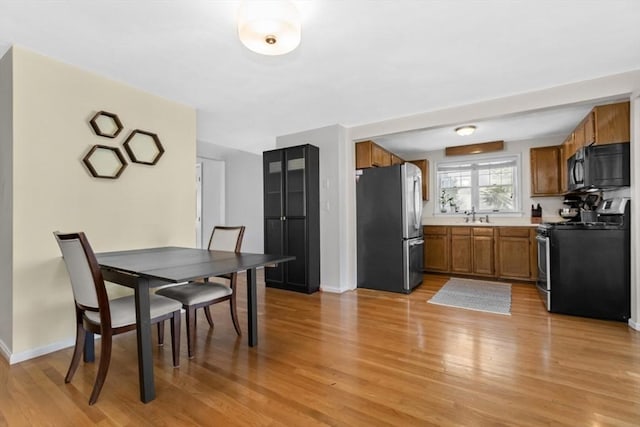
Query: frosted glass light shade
point(465, 130)
point(269, 27)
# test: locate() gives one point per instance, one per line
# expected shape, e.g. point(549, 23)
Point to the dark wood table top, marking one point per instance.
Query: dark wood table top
point(176, 264)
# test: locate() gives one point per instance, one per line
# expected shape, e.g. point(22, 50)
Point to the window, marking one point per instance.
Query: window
point(489, 185)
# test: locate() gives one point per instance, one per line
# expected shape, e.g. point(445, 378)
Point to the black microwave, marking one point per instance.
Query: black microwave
point(599, 167)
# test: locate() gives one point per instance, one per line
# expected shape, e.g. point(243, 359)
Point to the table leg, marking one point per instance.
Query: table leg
point(252, 307)
point(143, 331)
point(89, 348)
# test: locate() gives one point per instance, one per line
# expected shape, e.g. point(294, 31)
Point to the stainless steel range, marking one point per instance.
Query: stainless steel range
point(584, 267)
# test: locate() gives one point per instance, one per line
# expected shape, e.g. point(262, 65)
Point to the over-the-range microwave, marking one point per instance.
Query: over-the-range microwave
point(599, 167)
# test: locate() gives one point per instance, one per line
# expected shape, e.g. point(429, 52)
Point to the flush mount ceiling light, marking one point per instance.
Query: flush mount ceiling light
point(465, 130)
point(269, 27)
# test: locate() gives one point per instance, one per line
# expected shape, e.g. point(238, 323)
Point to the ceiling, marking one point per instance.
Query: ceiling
point(555, 123)
point(359, 62)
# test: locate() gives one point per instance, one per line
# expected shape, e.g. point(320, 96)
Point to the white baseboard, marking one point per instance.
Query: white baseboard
point(634, 325)
point(333, 290)
point(36, 352)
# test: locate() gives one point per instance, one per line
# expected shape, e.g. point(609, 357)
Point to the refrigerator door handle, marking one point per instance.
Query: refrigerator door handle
point(417, 202)
point(416, 242)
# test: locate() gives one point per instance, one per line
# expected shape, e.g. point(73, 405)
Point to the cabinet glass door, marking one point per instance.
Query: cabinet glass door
point(295, 182)
point(273, 182)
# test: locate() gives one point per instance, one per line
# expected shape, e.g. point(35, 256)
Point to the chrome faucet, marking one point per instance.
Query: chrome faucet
point(472, 213)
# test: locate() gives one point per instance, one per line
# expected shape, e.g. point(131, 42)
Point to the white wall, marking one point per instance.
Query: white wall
point(147, 206)
point(6, 203)
point(635, 210)
point(243, 192)
point(550, 205)
point(213, 196)
point(244, 198)
point(336, 166)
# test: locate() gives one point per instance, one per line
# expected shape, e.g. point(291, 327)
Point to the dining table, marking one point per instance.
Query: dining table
point(144, 269)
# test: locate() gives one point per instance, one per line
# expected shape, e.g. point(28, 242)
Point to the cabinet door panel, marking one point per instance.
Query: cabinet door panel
point(460, 253)
point(274, 244)
point(296, 237)
point(545, 170)
point(273, 183)
point(436, 252)
point(483, 259)
point(514, 257)
point(295, 182)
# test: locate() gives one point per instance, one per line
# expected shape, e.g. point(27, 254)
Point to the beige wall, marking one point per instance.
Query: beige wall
point(6, 155)
point(146, 206)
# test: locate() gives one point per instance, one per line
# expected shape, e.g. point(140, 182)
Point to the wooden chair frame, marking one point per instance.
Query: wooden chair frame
point(104, 329)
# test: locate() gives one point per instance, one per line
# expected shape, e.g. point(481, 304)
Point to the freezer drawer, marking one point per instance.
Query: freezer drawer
point(413, 258)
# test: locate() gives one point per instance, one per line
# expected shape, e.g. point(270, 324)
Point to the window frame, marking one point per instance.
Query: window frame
point(475, 187)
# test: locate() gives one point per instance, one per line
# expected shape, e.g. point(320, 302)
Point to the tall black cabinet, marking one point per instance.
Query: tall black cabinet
point(292, 216)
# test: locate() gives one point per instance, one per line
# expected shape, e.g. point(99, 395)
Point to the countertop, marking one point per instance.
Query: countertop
point(493, 222)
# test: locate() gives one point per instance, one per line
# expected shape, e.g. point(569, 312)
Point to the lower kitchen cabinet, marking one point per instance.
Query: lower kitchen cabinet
point(461, 261)
point(498, 252)
point(483, 251)
point(517, 253)
point(436, 249)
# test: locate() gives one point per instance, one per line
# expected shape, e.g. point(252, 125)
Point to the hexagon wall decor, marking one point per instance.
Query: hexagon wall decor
point(106, 124)
point(105, 162)
point(143, 147)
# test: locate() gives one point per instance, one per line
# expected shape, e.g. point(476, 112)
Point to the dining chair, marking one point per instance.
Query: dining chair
point(97, 314)
point(195, 295)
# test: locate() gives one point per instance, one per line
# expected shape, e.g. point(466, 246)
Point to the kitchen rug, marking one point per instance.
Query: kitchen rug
point(479, 295)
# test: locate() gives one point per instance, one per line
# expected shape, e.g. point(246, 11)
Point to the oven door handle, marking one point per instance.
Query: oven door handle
point(542, 239)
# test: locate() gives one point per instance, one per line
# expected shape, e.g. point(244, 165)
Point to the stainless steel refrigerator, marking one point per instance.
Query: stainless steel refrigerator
point(389, 223)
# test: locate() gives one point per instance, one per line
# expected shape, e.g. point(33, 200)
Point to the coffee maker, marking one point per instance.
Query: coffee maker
point(574, 205)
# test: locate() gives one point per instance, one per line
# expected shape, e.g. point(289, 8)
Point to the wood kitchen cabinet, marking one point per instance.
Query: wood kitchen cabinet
point(461, 253)
point(424, 167)
point(500, 252)
point(516, 253)
point(436, 248)
point(483, 261)
point(605, 124)
point(610, 124)
point(564, 171)
point(395, 160)
point(546, 171)
point(369, 154)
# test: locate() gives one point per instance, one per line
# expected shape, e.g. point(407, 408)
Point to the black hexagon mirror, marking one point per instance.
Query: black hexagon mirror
point(106, 124)
point(105, 162)
point(143, 147)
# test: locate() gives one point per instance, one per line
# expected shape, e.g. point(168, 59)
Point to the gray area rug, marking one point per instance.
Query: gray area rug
point(478, 295)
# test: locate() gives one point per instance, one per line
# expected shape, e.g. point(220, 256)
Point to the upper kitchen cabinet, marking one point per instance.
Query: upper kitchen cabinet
point(424, 167)
point(292, 216)
point(369, 154)
point(608, 124)
point(546, 171)
point(395, 160)
point(605, 124)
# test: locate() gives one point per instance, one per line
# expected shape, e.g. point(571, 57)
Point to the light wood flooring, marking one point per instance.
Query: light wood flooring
point(362, 358)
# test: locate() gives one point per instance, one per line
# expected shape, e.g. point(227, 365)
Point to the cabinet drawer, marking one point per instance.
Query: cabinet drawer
point(432, 229)
point(513, 231)
point(483, 231)
point(461, 231)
